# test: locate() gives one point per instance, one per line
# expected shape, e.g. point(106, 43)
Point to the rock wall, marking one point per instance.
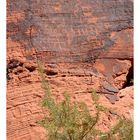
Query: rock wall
point(84, 45)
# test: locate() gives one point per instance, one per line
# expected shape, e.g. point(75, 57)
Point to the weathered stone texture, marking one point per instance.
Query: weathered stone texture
point(84, 44)
point(72, 31)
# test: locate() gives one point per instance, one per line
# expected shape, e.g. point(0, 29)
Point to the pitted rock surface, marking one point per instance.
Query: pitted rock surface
point(73, 31)
point(84, 45)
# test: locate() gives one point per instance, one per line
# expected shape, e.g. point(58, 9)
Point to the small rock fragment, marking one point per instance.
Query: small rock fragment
point(110, 88)
point(112, 98)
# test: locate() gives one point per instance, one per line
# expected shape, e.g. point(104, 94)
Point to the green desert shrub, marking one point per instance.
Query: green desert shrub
point(73, 121)
point(122, 130)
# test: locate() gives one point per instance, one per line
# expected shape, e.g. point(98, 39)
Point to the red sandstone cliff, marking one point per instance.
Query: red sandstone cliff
point(85, 44)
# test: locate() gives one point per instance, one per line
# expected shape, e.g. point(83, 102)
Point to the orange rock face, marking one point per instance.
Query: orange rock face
point(84, 45)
